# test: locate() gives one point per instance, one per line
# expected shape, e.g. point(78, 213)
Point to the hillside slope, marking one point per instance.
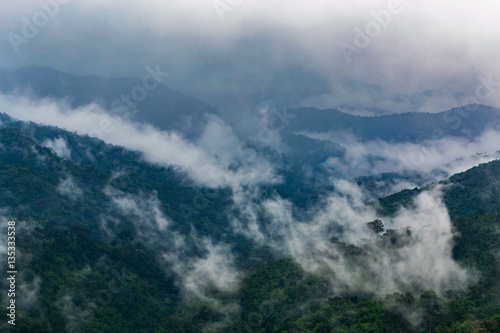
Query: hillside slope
point(109, 243)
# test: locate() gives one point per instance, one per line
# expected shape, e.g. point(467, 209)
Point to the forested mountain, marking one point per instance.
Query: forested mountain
point(250, 166)
point(110, 243)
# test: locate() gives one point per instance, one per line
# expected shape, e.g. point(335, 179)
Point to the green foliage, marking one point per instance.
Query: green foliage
point(117, 282)
point(376, 226)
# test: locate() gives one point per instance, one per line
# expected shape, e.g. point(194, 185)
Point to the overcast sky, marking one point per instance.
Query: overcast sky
point(427, 56)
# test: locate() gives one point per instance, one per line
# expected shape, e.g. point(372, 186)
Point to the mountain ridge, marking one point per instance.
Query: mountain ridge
point(70, 207)
point(169, 111)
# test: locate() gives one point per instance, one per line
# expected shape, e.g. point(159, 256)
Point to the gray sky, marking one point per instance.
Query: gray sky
point(427, 56)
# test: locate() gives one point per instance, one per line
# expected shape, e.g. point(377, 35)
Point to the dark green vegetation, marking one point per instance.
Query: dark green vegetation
point(93, 281)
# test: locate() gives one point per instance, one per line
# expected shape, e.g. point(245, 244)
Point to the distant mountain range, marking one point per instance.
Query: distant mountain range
point(162, 106)
point(310, 137)
point(169, 109)
point(467, 121)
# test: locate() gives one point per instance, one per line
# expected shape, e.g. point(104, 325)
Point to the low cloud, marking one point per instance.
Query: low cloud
point(59, 146)
point(208, 162)
point(67, 187)
point(75, 316)
point(213, 271)
point(414, 256)
point(247, 49)
point(442, 157)
point(146, 211)
point(29, 293)
point(202, 268)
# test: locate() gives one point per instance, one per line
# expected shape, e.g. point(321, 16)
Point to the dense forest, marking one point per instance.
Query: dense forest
point(87, 264)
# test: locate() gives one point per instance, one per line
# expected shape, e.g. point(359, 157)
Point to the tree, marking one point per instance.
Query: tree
point(376, 226)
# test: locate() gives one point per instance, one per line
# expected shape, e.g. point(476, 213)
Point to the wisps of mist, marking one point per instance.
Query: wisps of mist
point(217, 159)
point(59, 146)
point(330, 239)
point(414, 255)
point(435, 158)
point(68, 187)
point(202, 267)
